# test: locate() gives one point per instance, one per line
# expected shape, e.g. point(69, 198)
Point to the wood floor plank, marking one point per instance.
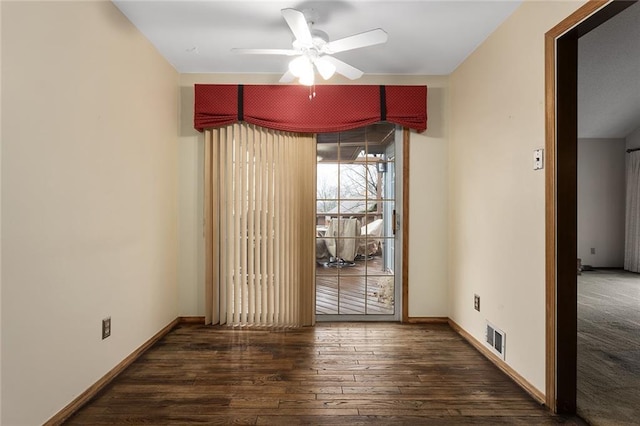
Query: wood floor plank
point(334, 373)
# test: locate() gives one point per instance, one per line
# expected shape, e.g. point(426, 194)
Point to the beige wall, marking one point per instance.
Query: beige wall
point(428, 196)
point(601, 201)
point(0, 218)
point(89, 199)
point(497, 228)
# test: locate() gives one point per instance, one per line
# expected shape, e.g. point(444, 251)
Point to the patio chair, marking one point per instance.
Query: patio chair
point(369, 241)
point(341, 240)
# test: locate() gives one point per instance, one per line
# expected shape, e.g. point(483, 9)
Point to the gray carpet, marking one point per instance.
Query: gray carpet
point(609, 347)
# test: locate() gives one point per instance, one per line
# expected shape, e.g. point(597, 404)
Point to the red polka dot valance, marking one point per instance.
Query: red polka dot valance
point(290, 108)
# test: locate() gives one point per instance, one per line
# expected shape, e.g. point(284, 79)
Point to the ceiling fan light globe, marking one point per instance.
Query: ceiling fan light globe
point(325, 68)
point(300, 66)
point(307, 79)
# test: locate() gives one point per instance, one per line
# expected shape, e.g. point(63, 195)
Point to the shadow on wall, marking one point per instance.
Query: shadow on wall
point(187, 99)
point(435, 108)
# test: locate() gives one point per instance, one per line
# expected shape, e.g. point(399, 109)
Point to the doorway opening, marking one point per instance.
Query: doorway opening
point(357, 213)
point(561, 51)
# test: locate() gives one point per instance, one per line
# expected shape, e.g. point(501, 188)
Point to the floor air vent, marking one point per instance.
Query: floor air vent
point(495, 338)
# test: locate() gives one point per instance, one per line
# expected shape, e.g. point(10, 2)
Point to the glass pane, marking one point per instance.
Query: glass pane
point(357, 182)
point(351, 151)
point(348, 251)
point(386, 263)
point(326, 295)
point(379, 185)
point(341, 240)
point(390, 150)
point(324, 209)
point(370, 244)
point(380, 295)
point(326, 268)
point(379, 219)
point(322, 252)
point(375, 209)
point(327, 152)
point(327, 181)
point(352, 295)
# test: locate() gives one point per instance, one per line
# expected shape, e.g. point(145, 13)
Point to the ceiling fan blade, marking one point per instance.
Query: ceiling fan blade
point(343, 68)
point(287, 77)
point(325, 68)
point(298, 24)
point(368, 38)
point(286, 52)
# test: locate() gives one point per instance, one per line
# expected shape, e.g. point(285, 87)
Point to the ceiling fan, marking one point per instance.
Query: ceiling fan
point(313, 50)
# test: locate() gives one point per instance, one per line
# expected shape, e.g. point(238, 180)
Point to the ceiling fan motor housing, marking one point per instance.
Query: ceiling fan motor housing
point(318, 40)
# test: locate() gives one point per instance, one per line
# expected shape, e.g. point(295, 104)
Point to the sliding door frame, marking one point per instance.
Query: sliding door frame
point(406, 136)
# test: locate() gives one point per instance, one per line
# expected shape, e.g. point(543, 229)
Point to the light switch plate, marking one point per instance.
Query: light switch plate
point(106, 327)
point(538, 159)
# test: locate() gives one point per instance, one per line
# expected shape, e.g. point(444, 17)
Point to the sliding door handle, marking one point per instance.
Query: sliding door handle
point(393, 222)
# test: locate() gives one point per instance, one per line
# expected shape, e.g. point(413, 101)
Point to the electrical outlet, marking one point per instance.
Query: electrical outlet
point(476, 302)
point(593, 250)
point(106, 327)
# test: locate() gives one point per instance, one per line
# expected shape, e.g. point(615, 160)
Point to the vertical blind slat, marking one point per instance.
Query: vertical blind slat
point(282, 241)
point(259, 232)
point(270, 230)
point(277, 230)
point(225, 188)
point(237, 194)
point(250, 229)
point(290, 221)
point(214, 229)
point(285, 243)
point(265, 235)
point(244, 244)
point(299, 236)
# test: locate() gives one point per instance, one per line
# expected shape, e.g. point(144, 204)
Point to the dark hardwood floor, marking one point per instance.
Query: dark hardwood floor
point(334, 373)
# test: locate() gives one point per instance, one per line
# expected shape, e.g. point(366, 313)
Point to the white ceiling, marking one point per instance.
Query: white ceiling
point(609, 77)
point(425, 37)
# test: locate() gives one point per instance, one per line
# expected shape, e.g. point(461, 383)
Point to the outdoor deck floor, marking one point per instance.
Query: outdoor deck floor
point(363, 288)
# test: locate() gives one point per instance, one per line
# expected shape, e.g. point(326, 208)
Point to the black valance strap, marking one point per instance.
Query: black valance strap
point(240, 102)
point(383, 104)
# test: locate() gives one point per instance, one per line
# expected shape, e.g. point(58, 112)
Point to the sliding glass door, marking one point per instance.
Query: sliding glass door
point(356, 218)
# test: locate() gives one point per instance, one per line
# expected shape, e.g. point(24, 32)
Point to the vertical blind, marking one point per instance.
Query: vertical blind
point(259, 208)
